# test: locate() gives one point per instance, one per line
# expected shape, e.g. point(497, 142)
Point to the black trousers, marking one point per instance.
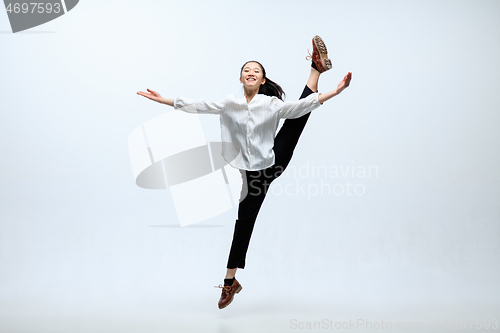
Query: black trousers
point(256, 184)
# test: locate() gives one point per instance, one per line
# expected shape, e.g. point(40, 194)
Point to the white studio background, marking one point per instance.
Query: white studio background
point(83, 249)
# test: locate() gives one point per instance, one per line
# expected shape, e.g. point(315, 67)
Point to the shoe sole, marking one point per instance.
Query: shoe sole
point(235, 292)
point(321, 50)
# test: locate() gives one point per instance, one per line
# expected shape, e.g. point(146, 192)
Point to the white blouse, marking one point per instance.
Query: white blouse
point(248, 129)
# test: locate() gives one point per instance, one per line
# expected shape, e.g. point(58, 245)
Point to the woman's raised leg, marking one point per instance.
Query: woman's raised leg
point(288, 136)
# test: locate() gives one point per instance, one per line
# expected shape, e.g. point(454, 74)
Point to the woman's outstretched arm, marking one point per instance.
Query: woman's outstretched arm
point(299, 108)
point(342, 85)
point(154, 96)
point(186, 105)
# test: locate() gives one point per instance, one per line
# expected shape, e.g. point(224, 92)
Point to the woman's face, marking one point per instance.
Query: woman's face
point(251, 75)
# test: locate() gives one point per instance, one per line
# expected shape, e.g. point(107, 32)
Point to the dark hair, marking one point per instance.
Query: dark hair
point(269, 88)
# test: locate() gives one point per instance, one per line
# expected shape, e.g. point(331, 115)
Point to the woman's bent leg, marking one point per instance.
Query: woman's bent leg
point(257, 185)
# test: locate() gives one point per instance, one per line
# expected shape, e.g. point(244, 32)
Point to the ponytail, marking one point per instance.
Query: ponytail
point(269, 88)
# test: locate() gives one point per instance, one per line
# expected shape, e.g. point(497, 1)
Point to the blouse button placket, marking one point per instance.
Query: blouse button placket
point(248, 139)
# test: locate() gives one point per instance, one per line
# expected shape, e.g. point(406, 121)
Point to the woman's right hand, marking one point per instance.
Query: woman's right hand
point(152, 95)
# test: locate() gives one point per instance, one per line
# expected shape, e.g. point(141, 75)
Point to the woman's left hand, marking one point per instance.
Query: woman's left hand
point(344, 83)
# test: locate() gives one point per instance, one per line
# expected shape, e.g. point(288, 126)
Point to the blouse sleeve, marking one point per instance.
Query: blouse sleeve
point(296, 109)
point(193, 106)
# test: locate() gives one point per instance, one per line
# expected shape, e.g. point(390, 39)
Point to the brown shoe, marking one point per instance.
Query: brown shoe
point(228, 293)
point(320, 55)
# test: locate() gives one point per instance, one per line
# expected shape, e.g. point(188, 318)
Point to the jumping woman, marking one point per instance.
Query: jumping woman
point(248, 127)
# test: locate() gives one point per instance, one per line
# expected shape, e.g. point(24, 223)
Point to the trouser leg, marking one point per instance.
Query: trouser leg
point(288, 136)
point(257, 185)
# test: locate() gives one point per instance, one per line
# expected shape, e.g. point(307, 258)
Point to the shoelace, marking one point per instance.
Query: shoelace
point(309, 57)
point(226, 288)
